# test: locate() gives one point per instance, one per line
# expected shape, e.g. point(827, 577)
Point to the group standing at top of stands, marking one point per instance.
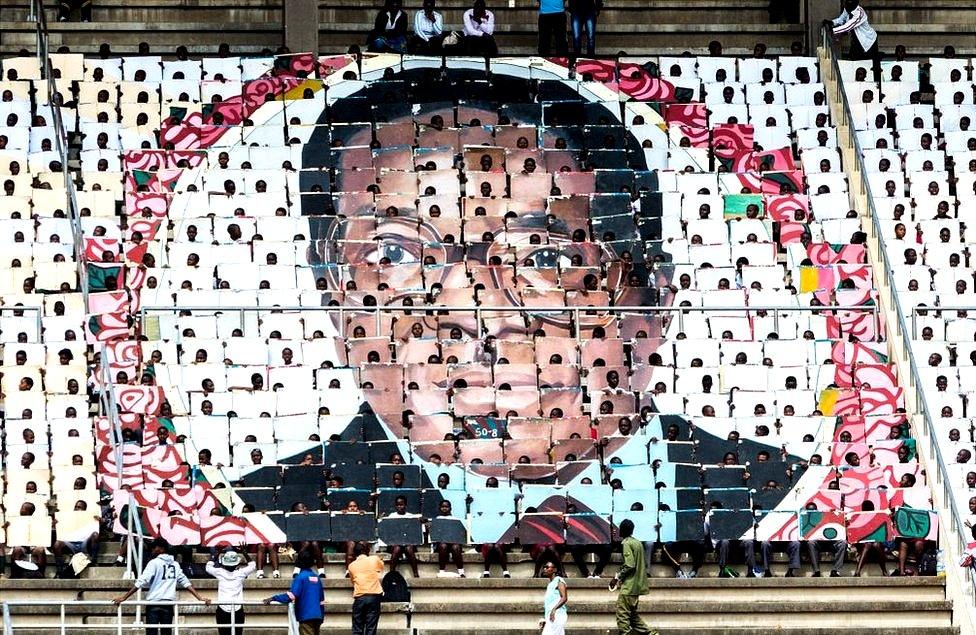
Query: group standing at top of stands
point(389, 34)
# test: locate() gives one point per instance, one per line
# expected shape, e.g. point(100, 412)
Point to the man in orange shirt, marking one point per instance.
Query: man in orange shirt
point(365, 573)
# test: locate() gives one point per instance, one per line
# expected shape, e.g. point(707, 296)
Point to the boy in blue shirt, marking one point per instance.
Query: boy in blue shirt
point(307, 594)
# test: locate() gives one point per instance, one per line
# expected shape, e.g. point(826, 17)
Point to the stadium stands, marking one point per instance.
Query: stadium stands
point(644, 28)
point(914, 132)
point(553, 296)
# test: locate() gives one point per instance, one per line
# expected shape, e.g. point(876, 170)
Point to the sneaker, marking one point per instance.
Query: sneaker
point(727, 572)
point(276, 574)
point(260, 575)
point(692, 574)
point(506, 574)
point(461, 573)
point(119, 561)
point(680, 574)
point(816, 574)
point(486, 574)
point(322, 572)
point(791, 573)
point(835, 574)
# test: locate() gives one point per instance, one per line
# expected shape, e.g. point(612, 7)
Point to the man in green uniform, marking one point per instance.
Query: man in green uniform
point(632, 582)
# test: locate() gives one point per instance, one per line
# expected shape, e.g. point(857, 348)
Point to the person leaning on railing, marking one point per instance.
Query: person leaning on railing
point(864, 39)
point(230, 589)
point(307, 594)
point(161, 578)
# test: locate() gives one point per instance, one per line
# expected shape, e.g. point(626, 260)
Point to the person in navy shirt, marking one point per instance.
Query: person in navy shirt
point(307, 594)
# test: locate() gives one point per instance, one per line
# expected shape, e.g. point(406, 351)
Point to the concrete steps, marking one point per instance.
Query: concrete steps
point(799, 606)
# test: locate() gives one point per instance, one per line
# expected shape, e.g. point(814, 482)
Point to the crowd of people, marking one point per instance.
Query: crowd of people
point(477, 33)
point(163, 577)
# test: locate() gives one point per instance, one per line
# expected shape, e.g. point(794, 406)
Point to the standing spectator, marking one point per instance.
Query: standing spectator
point(230, 590)
point(479, 29)
point(864, 41)
point(161, 578)
point(367, 592)
point(583, 13)
point(428, 30)
point(552, 25)
point(554, 605)
point(389, 34)
point(65, 7)
point(307, 594)
point(632, 582)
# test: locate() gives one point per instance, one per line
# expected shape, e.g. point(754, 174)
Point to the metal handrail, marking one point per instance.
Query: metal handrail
point(921, 406)
point(61, 143)
point(136, 625)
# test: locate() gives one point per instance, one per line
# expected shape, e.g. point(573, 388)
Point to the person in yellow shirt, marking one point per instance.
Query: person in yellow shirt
point(365, 573)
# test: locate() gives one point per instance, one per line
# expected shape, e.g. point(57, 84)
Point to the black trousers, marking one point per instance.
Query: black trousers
point(602, 552)
point(552, 25)
point(224, 617)
point(162, 615)
point(365, 615)
point(857, 52)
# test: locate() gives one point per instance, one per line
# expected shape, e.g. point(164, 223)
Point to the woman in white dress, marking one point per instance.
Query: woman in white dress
point(554, 617)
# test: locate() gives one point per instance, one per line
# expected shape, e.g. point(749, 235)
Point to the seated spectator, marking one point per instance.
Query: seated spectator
point(389, 34)
point(578, 552)
point(428, 29)
point(672, 551)
point(792, 549)
point(868, 548)
point(27, 561)
point(448, 551)
point(398, 551)
point(723, 545)
point(349, 546)
point(88, 546)
point(311, 547)
point(264, 552)
point(479, 29)
point(837, 547)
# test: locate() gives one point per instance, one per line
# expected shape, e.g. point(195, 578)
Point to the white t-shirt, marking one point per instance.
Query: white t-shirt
point(230, 584)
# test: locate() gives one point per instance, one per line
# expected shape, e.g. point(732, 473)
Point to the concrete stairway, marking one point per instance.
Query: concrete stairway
point(709, 606)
